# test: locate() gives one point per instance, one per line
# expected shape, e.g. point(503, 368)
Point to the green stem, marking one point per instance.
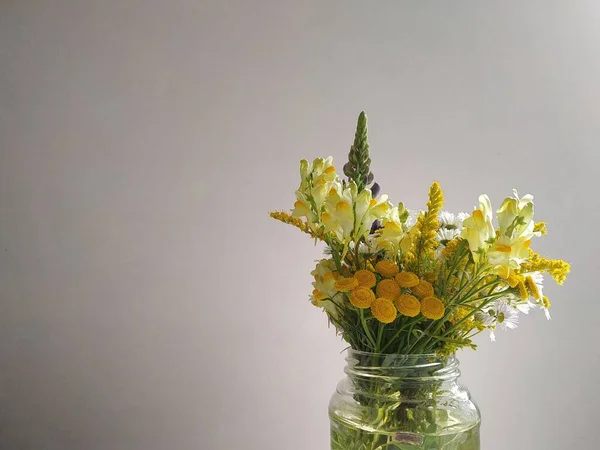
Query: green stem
point(366, 328)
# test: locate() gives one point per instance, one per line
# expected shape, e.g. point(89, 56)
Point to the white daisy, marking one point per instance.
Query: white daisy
point(500, 314)
point(452, 221)
point(447, 219)
point(444, 235)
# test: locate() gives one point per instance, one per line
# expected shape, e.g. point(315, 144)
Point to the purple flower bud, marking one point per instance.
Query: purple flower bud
point(375, 190)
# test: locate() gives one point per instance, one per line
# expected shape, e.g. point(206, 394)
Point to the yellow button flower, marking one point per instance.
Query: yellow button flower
point(408, 305)
point(387, 269)
point(422, 289)
point(406, 279)
point(366, 278)
point(346, 284)
point(384, 310)
point(362, 297)
point(432, 308)
point(388, 289)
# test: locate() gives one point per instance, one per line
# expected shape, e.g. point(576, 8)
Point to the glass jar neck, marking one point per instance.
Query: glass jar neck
point(421, 370)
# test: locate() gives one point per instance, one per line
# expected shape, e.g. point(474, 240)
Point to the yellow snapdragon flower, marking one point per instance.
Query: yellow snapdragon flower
point(478, 229)
point(516, 228)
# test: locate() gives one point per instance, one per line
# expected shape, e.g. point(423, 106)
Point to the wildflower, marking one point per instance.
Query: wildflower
point(432, 308)
point(365, 278)
point(423, 289)
point(362, 297)
point(535, 292)
point(408, 305)
point(515, 217)
point(501, 315)
point(406, 279)
point(452, 221)
point(387, 269)
point(428, 225)
point(384, 310)
point(388, 288)
point(445, 235)
point(325, 276)
point(478, 229)
point(546, 306)
point(346, 284)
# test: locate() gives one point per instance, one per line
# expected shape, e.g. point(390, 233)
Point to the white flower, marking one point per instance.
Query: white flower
point(444, 235)
point(499, 314)
point(452, 221)
point(447, 219)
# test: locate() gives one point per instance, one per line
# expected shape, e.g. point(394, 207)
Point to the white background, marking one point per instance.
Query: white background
point(146, 299)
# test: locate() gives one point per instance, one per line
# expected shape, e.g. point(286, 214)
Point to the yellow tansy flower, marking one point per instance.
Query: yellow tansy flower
point(533, 288)
point(362, 297)
point(408, 305)
point(346, 284)
point(432, 308)
point(366, 278)
point(387, 269)
point(384, 310)
point(423, 289)
point(388, 289)
point(406, 279)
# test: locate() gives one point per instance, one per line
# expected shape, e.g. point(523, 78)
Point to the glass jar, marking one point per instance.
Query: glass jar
point(402, 402)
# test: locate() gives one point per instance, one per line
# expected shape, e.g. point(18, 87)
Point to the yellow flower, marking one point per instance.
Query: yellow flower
point(325, 276)
point(302, 208)
point(346, 284)
point(362, 297)
point(432, 308)
point(388, 289)
point(545, 302)
point(478, 229)
point(523, 290)
point(318, 295)
point(406, 279)
point(367, 210)
point(387, 269)
point(557, 268)
point(423, 289)
point(515, 217)
point(509, 275)
point(338, 214)
point(427, 225)
point(366, 278)
point(408, 305)
point(535, 292)
point(384, 310)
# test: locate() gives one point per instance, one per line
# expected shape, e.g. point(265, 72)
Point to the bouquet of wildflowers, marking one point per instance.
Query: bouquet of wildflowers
point(403, 281)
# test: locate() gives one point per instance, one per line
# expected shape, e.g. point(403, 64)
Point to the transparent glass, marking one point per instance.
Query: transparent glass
point(402, 402)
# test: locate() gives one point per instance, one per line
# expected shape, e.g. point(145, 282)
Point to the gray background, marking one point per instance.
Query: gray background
point(147, 301)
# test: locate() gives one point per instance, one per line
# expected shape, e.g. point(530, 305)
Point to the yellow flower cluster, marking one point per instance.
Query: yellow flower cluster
point(387, 291)
point(386, 264)
point(557, 268)
point(428, 225)
point(298, 223)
